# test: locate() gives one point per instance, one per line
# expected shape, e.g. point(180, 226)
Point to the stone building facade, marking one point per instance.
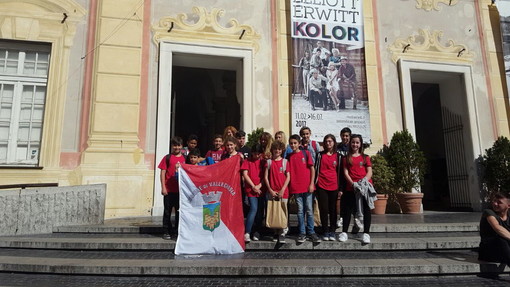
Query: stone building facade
point(92, 90)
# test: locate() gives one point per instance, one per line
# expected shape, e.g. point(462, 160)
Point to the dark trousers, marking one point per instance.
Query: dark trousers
point(341, 105)
point(327, 206)
point(348, 207)
point(317, 98)
point(495, 250)
point(170, 201)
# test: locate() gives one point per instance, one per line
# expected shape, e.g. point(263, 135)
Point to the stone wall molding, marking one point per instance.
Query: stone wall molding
point(429, 45)
point(428, 5)
point(204, 26)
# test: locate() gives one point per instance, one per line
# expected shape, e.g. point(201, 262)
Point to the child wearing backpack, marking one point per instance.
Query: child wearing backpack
point(277, 178)
point(169, 184)
point(307, 144)
point(301, 186)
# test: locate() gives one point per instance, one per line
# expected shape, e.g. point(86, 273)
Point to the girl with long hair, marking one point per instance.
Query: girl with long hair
point(356, 167)
point(327, 183)
point(231, 148)
point(266, 140)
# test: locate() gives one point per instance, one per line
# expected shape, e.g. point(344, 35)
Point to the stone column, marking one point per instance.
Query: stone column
point(113, 155)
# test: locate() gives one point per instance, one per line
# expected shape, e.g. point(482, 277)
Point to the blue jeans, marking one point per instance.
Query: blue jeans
point(305, 212)
point(255, 213)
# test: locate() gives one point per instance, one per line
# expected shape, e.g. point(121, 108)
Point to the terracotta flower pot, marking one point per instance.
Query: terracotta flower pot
point(410, 203)
point(380, 204)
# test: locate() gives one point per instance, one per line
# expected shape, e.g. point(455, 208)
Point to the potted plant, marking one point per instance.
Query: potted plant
point(254, 136)
point(495, 165)
point(408, 164)
point(382, 176)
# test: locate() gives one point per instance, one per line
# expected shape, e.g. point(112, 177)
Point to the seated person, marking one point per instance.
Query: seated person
point(316, 93)
point(495, 230)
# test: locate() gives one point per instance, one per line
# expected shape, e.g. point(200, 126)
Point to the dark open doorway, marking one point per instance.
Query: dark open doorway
point(204, 102)
point(429, 136)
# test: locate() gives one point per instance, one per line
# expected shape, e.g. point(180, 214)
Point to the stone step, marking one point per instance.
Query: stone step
point(375, 228)
point(255, 263)
point(382, 241)
point(426, 222)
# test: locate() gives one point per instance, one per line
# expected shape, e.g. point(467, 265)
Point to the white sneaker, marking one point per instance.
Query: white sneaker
point(358, 223)
point(365, 238)
point(340, 223)
point(256, 236)
point(343, 237)
point(285, 231)
point(247, 237)
point(325, 237)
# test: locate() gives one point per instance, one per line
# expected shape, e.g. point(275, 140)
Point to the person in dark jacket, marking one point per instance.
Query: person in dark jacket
point(495, 230)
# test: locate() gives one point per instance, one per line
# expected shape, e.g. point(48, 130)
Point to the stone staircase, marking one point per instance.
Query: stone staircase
point(402, 245)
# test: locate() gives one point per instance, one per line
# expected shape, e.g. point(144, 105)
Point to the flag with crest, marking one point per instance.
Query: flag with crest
point(210, 212)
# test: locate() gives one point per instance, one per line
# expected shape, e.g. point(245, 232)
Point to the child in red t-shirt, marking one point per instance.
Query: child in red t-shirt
point(169, 185)
point(277, 178)
point(356, 166)
point(230, 147)
point(327, 182)
point(217, 152)
point(301, 186)
point(252, 172)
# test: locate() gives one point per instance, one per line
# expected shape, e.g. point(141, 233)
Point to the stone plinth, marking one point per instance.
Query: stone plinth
point(34, 211)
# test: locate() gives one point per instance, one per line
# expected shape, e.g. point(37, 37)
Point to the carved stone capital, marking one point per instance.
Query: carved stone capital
point(427, 44)
point(428, 5)
point(204, 27)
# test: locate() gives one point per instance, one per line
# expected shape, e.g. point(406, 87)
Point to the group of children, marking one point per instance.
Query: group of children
point(272, 170)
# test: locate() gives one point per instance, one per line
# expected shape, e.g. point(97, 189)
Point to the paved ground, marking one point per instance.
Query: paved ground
point(9, 279)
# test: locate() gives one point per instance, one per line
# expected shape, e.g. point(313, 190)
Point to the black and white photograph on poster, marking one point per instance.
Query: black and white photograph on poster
point(329, 84)
point(504, 14)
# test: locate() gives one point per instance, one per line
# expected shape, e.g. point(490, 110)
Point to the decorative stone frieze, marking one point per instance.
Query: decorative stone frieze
point(428, 45)
point(428, 5)
point(203, 26)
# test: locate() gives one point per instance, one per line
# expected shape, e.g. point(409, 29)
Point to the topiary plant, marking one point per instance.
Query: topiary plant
point(406, 160)
point(496, 167)
point(254, 136)
point(382, 175)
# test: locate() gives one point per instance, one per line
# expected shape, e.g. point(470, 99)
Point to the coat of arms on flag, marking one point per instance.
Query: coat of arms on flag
point(211, 210)
point(210, 213)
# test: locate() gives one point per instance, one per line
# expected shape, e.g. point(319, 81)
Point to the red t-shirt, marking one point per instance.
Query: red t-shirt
point(170, 178)
point(327, 175)
point(255, 172)
point(277, 176)
point(215, 154)
point(226, 156)
point(357, 170)
point(299, 168)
